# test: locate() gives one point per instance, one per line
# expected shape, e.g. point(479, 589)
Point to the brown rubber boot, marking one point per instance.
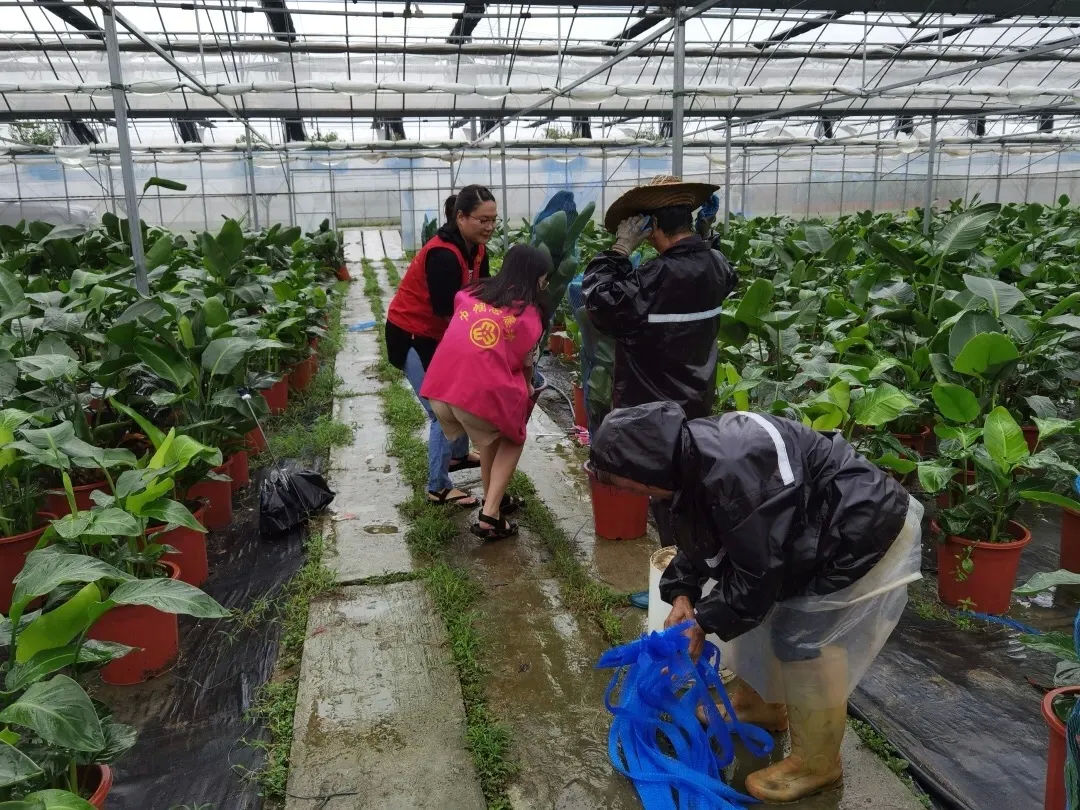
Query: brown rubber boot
point(817, 709)
point(751, 708)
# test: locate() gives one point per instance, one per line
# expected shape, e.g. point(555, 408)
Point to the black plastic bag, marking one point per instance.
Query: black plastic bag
point(288, 497)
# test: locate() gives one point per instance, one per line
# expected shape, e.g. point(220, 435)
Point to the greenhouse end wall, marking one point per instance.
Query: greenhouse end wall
point(371, 189)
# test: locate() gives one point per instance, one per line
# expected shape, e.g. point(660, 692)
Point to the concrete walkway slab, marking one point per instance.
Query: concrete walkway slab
point(379, 716)
point(392, 248)
point(373, 244)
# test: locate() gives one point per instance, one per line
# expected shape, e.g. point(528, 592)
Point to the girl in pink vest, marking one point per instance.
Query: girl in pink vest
point(420, 311)
point(479, 382)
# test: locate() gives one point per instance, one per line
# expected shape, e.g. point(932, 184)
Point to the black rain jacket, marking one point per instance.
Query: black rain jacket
point(664, 317)
point(767, 507)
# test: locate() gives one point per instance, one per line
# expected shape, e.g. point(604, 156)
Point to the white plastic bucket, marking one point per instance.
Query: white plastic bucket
point(658, 608)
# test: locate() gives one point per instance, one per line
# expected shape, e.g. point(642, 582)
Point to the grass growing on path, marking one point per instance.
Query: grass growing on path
point(891, 757)
point(580, 591)
point(275, 703)
point(392, 274)
point(430, 531)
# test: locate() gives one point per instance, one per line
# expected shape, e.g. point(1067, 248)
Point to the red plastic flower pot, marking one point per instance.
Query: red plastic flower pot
point(56, 501)
point(988, 587)
point(580, 418)
point(555, 344)
point(944, 499)
point(1031, 436)
point(13, 551)
point(218, 495)
point(95, 781)
point(915, 441)
point(238, 470)
point(302, 374)
point(1054, 793)
point(277, 395)
point(256, 441)
point(343, 273)
point(569, 350)
point(190, 548)
point(154, 634)
point(1070, 540)
point(618, 514)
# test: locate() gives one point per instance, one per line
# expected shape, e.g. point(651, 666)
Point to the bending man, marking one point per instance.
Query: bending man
point(810, 546)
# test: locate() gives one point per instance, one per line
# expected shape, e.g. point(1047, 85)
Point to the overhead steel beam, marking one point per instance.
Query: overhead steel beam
point(798, 30)
point(1035, 8)
point(812, 115)
point(647, 21)
point(281, 24)
point(466, 23)
point(952, 31)
point(75, 18)
point(789, 50)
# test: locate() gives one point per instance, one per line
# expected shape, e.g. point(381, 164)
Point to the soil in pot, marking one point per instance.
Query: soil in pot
point(618, 514)
point(988, 587)
point(13, 551)
point(154, 634)
point(56, 501)
point(95, 782)
point(218, 495)
point(190, 547)
point(1054, 793)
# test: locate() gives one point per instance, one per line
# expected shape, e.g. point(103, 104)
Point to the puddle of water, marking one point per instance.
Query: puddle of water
point(381, 528)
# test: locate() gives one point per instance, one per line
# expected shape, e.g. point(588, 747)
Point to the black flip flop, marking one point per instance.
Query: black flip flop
point(443, 498)
point(500, 528)
point(466, 463)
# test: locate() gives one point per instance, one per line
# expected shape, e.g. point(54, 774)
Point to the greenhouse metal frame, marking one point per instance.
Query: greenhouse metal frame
point(817, 110)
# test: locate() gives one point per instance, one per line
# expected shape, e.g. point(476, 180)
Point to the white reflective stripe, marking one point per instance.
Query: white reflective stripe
point(712, 562)
point(685, 317)
point(786, 475)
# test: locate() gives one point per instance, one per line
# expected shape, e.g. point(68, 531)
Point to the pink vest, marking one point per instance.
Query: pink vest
point(478, 365)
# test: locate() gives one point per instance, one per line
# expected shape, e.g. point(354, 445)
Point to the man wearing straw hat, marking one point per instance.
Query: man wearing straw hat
point(663, 315)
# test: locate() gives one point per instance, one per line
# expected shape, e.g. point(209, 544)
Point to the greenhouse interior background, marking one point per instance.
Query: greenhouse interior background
point(371, 112)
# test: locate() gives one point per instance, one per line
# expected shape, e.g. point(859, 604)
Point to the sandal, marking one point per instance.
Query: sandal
point(443, 498)
point(499, 529)
point(508, 506)
point(467, 463)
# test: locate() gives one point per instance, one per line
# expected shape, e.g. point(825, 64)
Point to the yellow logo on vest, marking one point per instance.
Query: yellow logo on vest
point(485, 334)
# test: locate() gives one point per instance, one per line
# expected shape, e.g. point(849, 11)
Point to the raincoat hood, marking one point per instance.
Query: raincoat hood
point(643, 443)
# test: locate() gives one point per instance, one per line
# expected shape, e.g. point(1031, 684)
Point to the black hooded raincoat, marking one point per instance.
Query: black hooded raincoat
point(664, 317)
point(767, 507)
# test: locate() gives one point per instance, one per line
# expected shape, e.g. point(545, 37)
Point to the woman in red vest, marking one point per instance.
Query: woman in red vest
point(420, 312)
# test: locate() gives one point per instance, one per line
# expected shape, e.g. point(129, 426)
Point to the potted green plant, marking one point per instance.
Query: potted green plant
point(980, 545)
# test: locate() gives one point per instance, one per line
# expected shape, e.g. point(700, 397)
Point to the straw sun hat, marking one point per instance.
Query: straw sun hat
point(660, 192)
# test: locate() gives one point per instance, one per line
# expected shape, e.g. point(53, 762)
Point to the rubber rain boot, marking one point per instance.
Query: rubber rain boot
point(751, 708)
point(817, 716)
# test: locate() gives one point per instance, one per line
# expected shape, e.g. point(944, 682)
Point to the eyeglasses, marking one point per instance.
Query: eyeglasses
point(485, 222)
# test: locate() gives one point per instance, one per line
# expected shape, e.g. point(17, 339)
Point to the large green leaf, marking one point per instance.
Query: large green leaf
point(1053, 426)
point(169, 596)
point(163, 361)
point(999, 296)
point(59, 800)
point(231, 241)
point(962, 233)
point(985, 355)
point(934, 476)
point(49, 661)
point(161, 182)
point(969, 324)
point(221, 356)
point(1056, 643)
point(172, 513)
point(955, 402)
point(1004, 439)
point(891, 461)
point(1071, 322)
point(817, 238)
point(48, 367)
point(881, 405)
point(160, 252)
point(149, 429)
point(894, 255)
point(58, 626)
point(755, 301)
point(1045, 580)
point(60, 712)
point(1050, 497)
point(11, 291)
point(48, 568)
point(15, 766)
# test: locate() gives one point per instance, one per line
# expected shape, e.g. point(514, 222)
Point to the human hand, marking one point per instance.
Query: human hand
point(683, 611)
point(631, 232)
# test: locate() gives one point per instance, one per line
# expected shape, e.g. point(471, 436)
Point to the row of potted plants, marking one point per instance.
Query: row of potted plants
point(125, 428)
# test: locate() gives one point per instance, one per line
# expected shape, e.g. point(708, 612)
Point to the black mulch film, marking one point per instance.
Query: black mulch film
point(191, 719)
point(963, 706)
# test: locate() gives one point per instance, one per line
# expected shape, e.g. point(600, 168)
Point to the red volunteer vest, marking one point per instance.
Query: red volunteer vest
point(410, 308)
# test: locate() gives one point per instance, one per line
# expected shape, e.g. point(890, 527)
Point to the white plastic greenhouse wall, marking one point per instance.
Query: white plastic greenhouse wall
point(304, 189)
